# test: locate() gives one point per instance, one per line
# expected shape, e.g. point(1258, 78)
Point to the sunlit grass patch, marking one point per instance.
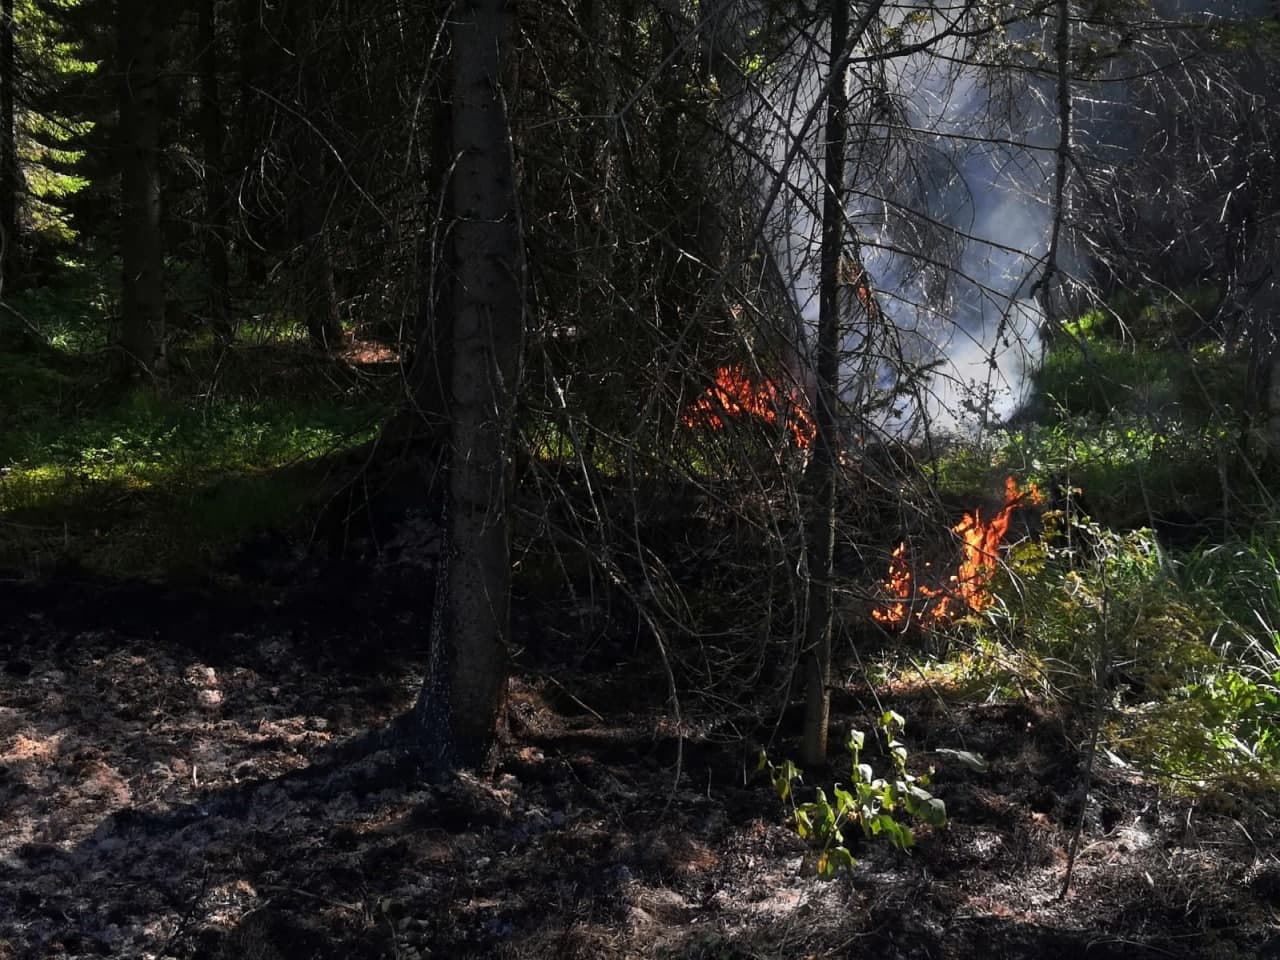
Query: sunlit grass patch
point(149, 482)
point(1174, 655)
point(1124, 633)
point(129, 525)
point(1173, 649)
point(73, 313)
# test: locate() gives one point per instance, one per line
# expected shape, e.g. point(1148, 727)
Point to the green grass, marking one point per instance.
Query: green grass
point(1169, 652)
point(167, 476)
point(1142, 431)
point(1102, 378)
point(148, 485)
point(73, 312)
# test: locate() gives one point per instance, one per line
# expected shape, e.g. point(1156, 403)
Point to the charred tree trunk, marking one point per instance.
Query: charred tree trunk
point(9, 176)
point(822, 470)
point(215, 188)
point(462, 704)
point(139, 26)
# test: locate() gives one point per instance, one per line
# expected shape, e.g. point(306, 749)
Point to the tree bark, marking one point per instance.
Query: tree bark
point(462, 704)
point(319, 289)
point(431, 376)
point(139, 26)
point(9, 176)
point(215, 188)
point(251, 128)
point(822, 469)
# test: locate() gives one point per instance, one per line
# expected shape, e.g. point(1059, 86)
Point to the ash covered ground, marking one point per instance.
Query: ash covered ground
point(169, 788)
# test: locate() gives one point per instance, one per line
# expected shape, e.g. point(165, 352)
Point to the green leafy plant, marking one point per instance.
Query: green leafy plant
point(873, 803)
point(1178, 657)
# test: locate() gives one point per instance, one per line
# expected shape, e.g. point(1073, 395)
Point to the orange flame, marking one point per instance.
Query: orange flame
point(967, 589)
point(898, 585)
point(735, 394)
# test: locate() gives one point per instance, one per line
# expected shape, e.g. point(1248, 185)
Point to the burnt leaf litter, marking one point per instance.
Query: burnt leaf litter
point(173, 784)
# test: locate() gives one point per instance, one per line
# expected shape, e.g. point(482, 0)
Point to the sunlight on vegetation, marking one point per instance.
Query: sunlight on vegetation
point(48, 145)
point(1175, 658)
point(1178, 651)
point(143, 481)
point(1173, 648)
point(170, 482)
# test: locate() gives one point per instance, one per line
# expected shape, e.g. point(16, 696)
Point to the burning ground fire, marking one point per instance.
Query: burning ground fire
point(967, 589)
point(736, 394)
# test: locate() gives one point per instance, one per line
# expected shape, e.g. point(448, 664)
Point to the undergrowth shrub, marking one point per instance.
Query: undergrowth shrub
point(874, 804)
point(1142, 423)
point(1108, 622)
point(73, 314)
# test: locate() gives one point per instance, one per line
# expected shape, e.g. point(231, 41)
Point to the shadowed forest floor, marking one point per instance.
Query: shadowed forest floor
point(162, 793)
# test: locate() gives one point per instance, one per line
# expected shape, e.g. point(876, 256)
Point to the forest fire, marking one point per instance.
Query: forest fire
point(967, 589)
point(735, 394)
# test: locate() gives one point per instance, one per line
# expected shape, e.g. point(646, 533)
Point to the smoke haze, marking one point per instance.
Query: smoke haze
point(951, 174)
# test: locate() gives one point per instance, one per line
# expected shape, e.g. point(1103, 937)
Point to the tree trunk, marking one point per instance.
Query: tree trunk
point(431, 375)
point(462, 704)
point(251, 127)
point(309, 201)
point(139, 40)
point(8, 153)
point(320, 290)
point(822, 469)
point(215, 188)
point(1260, 440)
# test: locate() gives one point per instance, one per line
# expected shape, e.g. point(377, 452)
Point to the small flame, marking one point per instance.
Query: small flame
point(967, 589)
point(898, 586)
point(735, 394)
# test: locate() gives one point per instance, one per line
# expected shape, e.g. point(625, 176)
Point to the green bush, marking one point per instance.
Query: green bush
point(165, 476)
point(1107, 621)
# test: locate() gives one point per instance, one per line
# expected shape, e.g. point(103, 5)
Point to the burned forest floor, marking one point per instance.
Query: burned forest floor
point(168, 788)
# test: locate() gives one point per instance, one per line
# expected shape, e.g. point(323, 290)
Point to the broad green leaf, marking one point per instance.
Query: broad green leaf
point(845, 802)
point(920, 795)
point(782, 787)
point(840, 859)
point(934, 813)
point(899, 835)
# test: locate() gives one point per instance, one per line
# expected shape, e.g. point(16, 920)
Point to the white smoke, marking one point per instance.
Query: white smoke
point(950, 228)
point(951, 172)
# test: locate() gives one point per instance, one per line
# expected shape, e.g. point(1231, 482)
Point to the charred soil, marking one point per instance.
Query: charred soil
point(167, 790)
